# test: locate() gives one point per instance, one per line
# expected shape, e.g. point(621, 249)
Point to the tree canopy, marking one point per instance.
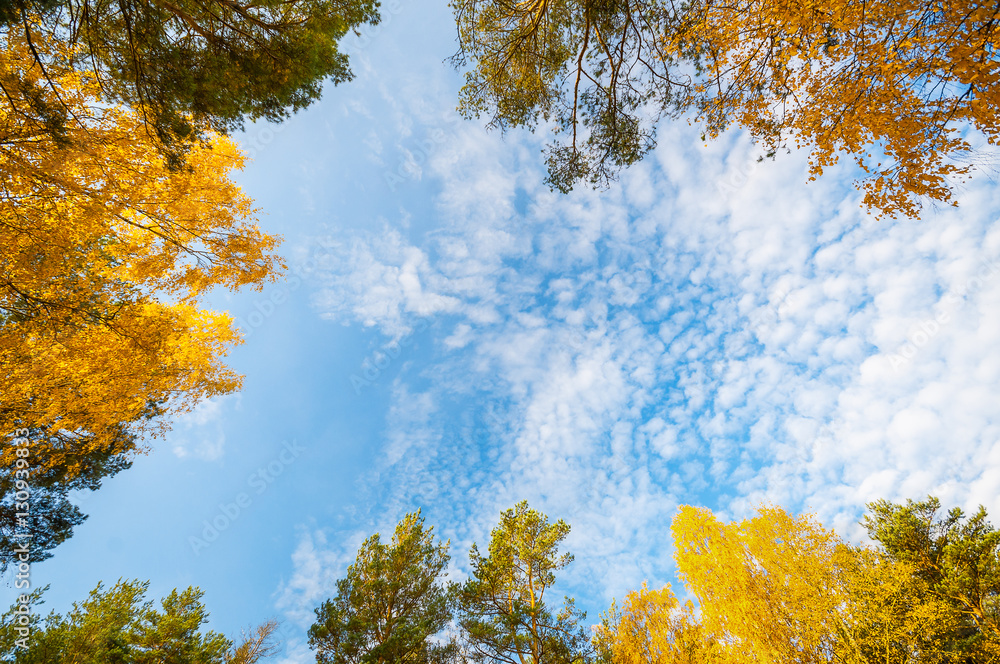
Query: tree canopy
point(893, 85)
point(783, 588)
point(588, 69)
point(957, 557)
point(105, 253)
point(390, 604)
point(189, 67)
point(502, 610)
point(118, 625)
point(780, 588)
point(653, 626)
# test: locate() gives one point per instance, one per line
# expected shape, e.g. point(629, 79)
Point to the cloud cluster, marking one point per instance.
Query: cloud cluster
point(712, 330)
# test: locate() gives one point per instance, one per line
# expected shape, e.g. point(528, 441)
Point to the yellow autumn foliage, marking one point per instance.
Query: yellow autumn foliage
point(780, 589)
point(894, 84)
point(767, 583)
point(105, 252)
point(652, 627)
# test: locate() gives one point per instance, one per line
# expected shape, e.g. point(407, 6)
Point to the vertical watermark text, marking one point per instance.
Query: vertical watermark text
point(22, 537)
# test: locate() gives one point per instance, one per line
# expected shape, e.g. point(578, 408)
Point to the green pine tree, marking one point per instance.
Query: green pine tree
point(390, 604)
point(502, 609)
point(958, 559)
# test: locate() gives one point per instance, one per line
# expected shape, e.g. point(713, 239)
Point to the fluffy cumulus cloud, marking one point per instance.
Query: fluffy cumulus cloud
point(712, 330)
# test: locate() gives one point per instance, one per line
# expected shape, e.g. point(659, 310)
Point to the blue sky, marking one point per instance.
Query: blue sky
point(455, 337)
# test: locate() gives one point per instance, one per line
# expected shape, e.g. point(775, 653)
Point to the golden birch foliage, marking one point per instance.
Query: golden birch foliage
point(780, 588)
point(768, 583)
point(892, 83)
point(104, 254)
point(652, 627)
